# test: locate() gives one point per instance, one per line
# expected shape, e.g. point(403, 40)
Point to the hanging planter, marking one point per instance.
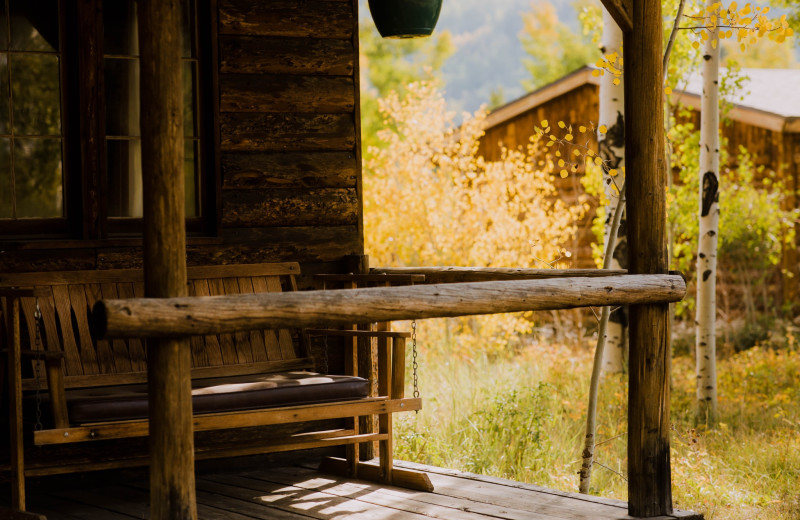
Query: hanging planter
point(405, 18)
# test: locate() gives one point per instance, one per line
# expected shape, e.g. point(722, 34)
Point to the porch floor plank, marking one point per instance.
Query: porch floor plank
point(302, 493)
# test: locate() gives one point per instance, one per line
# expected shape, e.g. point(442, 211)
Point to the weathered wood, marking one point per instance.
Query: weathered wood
point(265, 55)
point(218, 421)
point(383, 278)
point(172, 494)
point(14, 338)
point(54, 368)
point(289, 170)
point(286, 132)
point(358, 333)
point(10, 514)
point(622, 12)
point(649, 486)
point(296, 94)
point(399, 367)
point(309, 19)
point(405, 478)
point(190, 316)
point(450, 274)
point(287, 207)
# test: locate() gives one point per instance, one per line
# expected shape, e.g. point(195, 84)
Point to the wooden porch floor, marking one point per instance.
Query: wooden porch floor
point(296, 493)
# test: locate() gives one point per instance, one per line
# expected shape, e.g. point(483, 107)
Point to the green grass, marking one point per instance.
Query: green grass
point(523, 417)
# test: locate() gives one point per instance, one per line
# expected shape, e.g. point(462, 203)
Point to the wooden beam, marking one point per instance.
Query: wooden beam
point(649, 479)
point(172, 489)
point(622, 13)
point(146, 317)
point(450, 274)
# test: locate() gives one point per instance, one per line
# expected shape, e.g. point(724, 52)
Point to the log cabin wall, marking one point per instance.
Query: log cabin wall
point(286, 146)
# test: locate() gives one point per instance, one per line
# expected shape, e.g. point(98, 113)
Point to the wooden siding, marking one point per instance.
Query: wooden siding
point(287, 146)
point(776, 151)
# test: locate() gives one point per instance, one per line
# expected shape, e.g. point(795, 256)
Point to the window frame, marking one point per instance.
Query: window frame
point(84, 159)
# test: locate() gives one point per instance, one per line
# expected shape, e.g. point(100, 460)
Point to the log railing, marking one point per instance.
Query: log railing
point(187, 316)
point(450, 274)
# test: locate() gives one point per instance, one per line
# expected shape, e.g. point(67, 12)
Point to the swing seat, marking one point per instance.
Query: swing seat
point(253, 391)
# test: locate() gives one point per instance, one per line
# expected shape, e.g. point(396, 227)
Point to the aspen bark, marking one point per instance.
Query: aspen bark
point(706, 369)
point(612, 150)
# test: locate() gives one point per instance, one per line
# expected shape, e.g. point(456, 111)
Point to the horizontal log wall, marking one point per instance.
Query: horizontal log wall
point(221, 314)
point(289, 146)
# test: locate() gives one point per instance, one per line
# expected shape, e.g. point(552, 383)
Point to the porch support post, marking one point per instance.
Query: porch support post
point(649, 481)
point(172, 486)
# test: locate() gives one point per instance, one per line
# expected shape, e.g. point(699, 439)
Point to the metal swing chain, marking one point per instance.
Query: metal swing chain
point(414, 364)
point(37, 316)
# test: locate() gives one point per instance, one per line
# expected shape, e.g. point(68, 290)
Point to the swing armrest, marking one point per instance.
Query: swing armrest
point(39, 355)
point(391, 356)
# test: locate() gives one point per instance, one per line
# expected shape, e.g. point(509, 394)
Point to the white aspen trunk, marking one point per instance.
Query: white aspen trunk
point(612, 151)
point(706, 366)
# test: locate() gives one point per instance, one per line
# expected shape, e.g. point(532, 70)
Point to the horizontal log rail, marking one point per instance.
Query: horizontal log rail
point(451, 274)
point(187, 316)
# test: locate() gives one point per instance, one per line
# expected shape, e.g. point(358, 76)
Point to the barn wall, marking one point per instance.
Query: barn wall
point(774, 150)
point(288, 138)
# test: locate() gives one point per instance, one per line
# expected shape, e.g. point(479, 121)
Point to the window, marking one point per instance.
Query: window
point(50, 181)
point(31, 142)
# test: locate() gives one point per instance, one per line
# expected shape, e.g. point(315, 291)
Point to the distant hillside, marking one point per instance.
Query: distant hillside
point(488, 50)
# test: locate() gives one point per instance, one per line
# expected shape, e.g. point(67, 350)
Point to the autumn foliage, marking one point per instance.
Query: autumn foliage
point(431, 200)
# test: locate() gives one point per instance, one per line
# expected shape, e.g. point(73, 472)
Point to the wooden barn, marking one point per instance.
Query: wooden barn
point(764, 119)
point(182, 275)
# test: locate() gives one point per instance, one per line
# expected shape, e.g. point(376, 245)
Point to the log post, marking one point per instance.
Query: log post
point(172, 487)
point(649, 485)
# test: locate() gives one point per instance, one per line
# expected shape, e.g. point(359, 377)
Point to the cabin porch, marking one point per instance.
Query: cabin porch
point(299, 492)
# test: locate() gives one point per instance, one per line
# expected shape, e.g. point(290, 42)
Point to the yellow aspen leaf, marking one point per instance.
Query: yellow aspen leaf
point(620, 62)
point(732, 7)
point(544, 123)
point(564, 174)
point(596, 73)
point(667, 91)
point(590, 152)
point(568, 137)
point(581, 129)
point(561, 124)
point(743, 47)
point(561, 162)
point(550, 143)
point(603, 129)
point(615, 81)
point(552, 138)
point(576, 152)
point(789, 32)
point(714, 43)
point(598, 161)
point(612, 172)
point(780, 39)
point(696, 45)
point(765, 10)
point(574, 167)
point(558, 153)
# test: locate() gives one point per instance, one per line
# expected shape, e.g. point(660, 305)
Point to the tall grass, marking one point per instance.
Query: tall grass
point(521, 416)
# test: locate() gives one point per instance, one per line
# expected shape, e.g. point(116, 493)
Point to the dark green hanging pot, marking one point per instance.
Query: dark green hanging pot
point(405, 18)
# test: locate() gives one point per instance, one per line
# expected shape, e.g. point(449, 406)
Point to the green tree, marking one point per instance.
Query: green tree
point(555, 50)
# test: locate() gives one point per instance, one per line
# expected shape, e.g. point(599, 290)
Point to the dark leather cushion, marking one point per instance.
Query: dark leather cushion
point(226, 394)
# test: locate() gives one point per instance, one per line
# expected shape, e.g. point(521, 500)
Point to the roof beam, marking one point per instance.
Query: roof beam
point(620, 11)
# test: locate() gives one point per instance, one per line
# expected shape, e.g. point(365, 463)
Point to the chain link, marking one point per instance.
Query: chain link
point(37, 318)
point(414, 364)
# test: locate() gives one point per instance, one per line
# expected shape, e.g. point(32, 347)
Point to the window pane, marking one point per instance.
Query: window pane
point(122, 97)
point(34, 25)
point(190, 174)
point(35, 90)
point(124, 178)
point(187, 48)
point(6, 187)
point(4, 100)
point(189, 98)
point(38, 179)
point(3, 26)
point(120, 34)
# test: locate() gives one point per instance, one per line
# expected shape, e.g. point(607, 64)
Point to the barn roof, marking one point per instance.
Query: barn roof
point(768, 98)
